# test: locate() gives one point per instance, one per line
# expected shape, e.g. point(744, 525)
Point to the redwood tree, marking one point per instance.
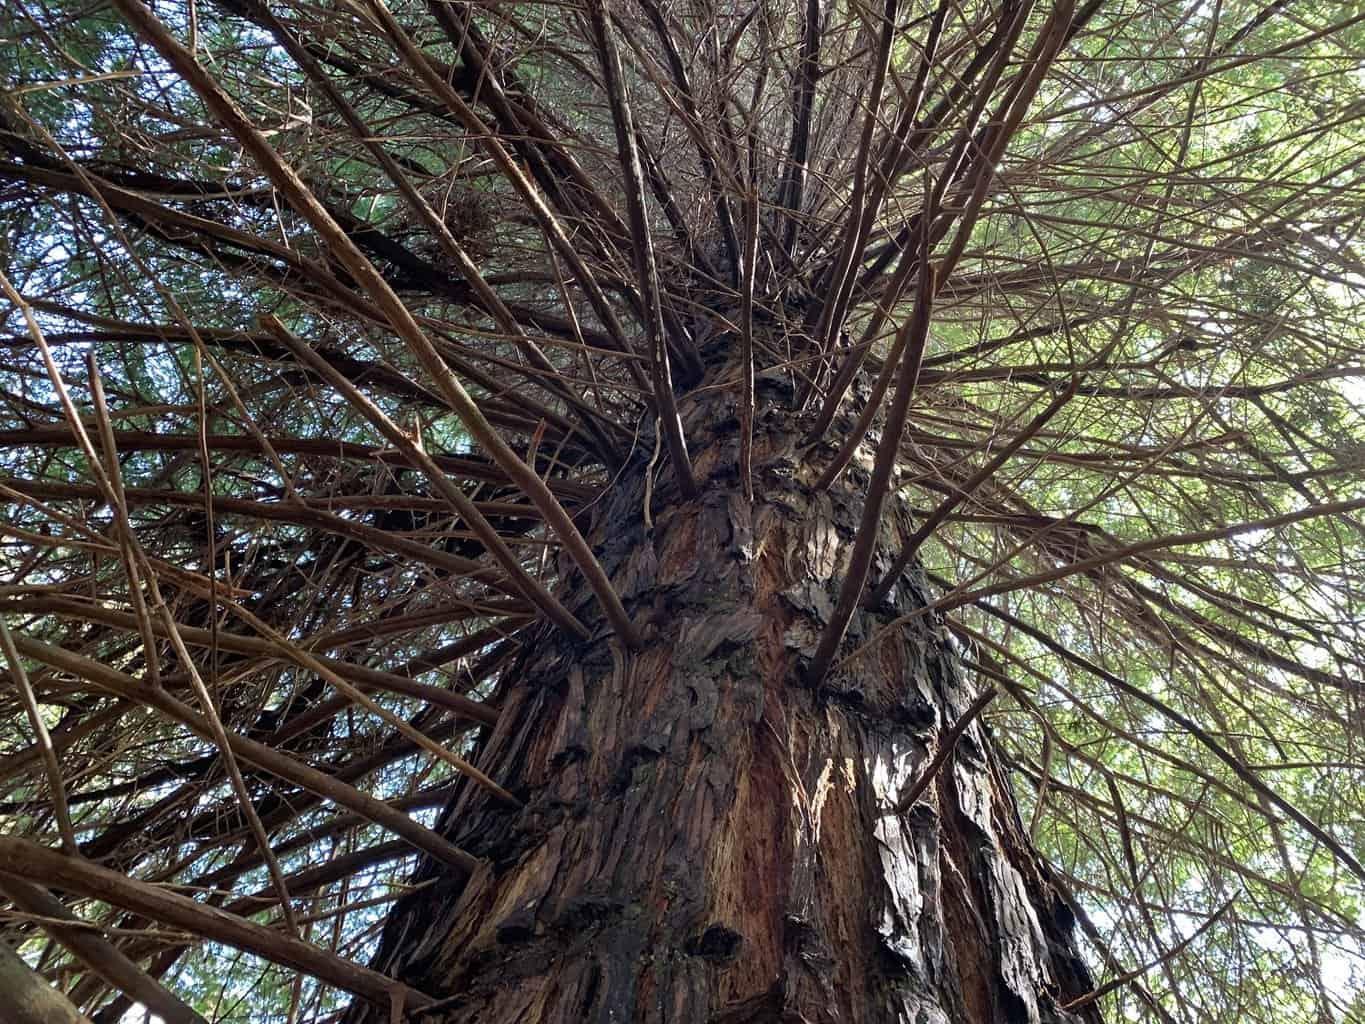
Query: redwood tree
point(682, 512)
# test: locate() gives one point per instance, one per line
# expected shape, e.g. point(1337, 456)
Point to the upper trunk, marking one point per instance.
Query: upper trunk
point(707, 838)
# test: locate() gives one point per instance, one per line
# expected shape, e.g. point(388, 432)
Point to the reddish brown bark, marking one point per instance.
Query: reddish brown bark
point(705, 837)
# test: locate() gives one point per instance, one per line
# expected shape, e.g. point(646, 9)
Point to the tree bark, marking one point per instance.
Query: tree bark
point(705, 837)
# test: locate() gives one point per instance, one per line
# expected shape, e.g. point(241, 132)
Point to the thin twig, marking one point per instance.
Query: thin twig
point(946, 745)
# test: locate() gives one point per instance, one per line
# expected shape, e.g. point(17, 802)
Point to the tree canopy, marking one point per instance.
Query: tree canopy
point(325, 324)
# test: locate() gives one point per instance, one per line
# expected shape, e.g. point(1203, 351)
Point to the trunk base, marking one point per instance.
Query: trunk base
point(706, 838)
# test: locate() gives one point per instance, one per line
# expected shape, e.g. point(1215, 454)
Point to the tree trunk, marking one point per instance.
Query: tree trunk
point(705, 837)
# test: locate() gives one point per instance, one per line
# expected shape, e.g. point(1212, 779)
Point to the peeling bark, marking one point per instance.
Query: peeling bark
point(704, 837)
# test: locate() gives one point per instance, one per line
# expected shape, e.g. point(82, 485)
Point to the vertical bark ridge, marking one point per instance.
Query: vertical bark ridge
point(706, 839)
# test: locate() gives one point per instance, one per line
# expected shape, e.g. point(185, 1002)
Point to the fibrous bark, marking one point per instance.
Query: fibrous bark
point(707, 838)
